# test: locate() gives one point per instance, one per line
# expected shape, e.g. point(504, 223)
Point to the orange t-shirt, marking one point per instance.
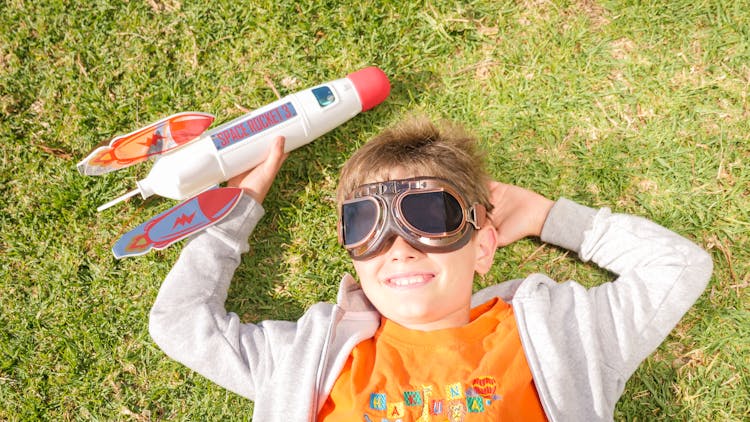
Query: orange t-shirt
point(475, 372)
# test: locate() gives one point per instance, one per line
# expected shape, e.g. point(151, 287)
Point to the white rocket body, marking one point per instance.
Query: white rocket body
point(243, 143)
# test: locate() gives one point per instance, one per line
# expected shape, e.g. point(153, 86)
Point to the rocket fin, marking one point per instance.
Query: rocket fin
point(153, 140)
point(178, 222)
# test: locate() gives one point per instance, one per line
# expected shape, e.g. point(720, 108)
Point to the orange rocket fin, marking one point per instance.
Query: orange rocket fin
point(153, 140)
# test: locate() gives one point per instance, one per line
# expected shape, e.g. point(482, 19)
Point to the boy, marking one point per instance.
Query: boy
point(419, 217)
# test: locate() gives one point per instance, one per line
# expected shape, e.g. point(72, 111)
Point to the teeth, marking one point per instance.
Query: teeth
point(406, 281)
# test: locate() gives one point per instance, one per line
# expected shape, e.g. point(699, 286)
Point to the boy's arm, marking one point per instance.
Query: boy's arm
point(659, 273)
point(188, 319)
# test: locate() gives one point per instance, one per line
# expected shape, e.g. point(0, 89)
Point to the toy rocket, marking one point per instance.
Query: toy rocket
point(191, 160)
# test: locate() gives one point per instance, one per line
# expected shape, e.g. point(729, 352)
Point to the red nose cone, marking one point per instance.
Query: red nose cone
point(372, 86)
point(215, 203)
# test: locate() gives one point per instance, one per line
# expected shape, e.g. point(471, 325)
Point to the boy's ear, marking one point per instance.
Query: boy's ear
point(486, 244)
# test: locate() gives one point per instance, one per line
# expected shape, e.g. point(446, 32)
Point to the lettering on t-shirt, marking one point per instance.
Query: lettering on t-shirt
point(453, 401)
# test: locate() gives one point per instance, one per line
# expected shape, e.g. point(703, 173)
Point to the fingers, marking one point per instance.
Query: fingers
point(270, 166)
point(517, 212)
point(257, 182)
point(276, 156)
point(497, 195)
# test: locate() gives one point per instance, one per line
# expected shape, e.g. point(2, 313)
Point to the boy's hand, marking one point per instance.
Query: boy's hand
point(257, 181)
point(518, 212)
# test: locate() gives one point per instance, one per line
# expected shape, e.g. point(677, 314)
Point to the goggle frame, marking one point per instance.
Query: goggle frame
point(391, 221)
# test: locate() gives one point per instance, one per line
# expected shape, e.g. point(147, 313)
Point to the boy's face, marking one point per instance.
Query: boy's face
point(425, 291)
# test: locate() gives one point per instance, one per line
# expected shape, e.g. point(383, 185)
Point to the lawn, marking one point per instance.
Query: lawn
point(640, 106)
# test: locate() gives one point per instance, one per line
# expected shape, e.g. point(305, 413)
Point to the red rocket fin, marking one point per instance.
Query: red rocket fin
point(153, 140)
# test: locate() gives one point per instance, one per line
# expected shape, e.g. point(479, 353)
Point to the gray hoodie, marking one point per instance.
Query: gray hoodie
point(581, 344)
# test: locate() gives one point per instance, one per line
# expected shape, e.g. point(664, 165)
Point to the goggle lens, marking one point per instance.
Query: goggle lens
point(359, 219)
point(433, 213)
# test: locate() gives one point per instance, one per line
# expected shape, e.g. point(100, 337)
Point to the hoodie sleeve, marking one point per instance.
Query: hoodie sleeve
point(189, 322)
point(659, 275)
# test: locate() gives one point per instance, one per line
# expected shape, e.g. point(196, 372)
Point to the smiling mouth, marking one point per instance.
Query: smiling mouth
point(408, 281)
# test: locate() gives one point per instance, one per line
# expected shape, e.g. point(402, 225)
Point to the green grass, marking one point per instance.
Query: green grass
point(641, 106)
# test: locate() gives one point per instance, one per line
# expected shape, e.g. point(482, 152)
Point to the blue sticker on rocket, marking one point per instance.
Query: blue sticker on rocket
point(177, 223)
point(253, 125)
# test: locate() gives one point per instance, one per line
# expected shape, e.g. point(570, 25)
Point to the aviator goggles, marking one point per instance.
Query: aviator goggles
point(428, 213)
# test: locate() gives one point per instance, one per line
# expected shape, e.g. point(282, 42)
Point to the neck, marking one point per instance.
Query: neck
point(454, 320)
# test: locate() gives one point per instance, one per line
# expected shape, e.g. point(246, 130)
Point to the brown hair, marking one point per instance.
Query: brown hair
point(421, 148)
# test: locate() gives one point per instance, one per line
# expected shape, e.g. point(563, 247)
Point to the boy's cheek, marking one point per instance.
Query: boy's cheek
point(365, 267)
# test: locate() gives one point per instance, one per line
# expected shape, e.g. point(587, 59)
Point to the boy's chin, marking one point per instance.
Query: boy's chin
point(427, 320)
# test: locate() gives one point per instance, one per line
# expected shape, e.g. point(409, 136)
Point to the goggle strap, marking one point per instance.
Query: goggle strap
point(477, 216)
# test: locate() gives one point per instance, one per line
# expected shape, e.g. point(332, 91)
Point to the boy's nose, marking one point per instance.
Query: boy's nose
point(400, 249)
